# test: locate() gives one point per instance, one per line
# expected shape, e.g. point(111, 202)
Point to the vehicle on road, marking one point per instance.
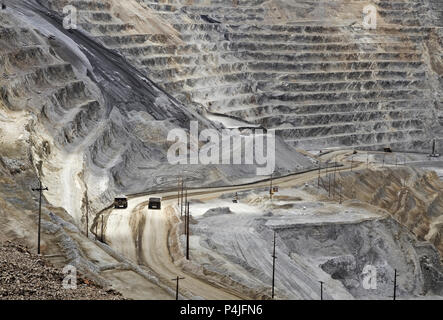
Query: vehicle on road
point(120, 203)
point(155, 203)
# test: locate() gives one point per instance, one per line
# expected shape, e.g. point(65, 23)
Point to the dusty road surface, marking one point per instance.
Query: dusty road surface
point(143, 235)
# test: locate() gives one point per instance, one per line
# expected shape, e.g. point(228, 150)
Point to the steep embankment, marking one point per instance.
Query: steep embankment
point(413, 197)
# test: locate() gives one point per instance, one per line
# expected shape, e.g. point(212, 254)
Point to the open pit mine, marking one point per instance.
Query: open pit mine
point(222, 149)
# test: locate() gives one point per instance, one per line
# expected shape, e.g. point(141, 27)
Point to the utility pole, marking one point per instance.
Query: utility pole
point(186, 222)
point(40, 189)
point(187, 232)
point(176, 288)
point(395, 284)
point(270, 189)
point(384, 154)
point(318, 180)
point(352, 162)
point(367, 160)
point(273, 268)
point(321, 290)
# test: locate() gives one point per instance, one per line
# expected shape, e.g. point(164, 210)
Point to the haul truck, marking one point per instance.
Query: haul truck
point(121, 203)
point(155, 203)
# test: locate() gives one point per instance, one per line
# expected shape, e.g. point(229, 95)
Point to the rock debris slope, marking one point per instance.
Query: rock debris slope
point(26, 276)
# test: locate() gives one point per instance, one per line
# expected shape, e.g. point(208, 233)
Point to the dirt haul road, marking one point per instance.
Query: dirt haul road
point(144, 235)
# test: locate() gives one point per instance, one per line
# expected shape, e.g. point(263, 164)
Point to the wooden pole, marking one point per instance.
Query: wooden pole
point(176, 286)
point(40, 189)
point(187, 233)
point(321, 290)
point(273, 268)
point(270, 189)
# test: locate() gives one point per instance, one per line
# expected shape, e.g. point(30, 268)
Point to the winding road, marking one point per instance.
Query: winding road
point(143, 235)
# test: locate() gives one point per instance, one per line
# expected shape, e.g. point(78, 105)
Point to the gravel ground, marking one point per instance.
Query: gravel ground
point(26, 276)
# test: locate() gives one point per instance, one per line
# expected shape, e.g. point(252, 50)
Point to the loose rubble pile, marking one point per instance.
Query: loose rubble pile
point(26, 276)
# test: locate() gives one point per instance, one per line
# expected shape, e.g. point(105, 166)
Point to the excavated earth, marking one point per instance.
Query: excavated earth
point(88, 111)
point(322, 238)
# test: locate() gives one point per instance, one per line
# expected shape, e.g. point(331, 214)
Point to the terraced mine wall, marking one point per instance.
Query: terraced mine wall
point(308, 69)
point(88, 122)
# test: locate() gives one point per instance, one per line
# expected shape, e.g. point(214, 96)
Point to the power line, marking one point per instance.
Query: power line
point(40, 189)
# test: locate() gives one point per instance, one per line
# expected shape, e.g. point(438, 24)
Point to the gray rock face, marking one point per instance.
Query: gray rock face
point(344, 250)
point(348, 253)
point(217, 211)
point(308, 70)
